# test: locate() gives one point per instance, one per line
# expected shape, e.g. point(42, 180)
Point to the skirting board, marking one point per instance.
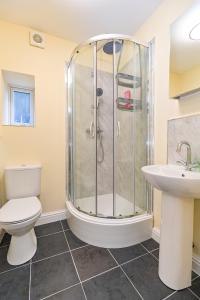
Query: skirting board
point(52, 217)
point(195, 258)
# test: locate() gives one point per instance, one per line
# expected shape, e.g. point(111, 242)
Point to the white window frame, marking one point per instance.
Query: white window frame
point(11, 106)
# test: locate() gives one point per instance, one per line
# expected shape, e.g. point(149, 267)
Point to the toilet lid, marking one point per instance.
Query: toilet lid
point(16, 210)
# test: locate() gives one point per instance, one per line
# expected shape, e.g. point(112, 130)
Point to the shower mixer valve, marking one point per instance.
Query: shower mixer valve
point(92, 135)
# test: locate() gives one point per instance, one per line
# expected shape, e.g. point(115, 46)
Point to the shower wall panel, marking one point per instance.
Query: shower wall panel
point(83, 158)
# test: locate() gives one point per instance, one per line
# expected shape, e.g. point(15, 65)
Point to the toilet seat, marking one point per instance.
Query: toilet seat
point(20, 210)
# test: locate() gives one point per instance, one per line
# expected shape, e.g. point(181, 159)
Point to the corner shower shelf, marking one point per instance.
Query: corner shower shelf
point(136, 82)
point(128, 104)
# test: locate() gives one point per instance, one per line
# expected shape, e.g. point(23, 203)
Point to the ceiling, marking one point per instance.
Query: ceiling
point(184, 51)
point(77, 20)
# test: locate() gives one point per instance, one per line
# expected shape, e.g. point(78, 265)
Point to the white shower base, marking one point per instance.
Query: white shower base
point(108, 232)
point(122, 207)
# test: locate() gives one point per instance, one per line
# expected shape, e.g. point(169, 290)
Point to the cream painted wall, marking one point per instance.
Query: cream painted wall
point(175, 85)
point(158, 27)
point(184, 82)
point(45, 143)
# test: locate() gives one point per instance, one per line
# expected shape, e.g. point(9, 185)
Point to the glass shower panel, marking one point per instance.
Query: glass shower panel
point(84, 135)
point(104, 119)
point(131, 131)
point(70, 131)
point(141, 126)
point(124, 131)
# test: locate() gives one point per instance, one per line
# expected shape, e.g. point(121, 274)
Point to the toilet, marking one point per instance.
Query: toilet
point(22, 210)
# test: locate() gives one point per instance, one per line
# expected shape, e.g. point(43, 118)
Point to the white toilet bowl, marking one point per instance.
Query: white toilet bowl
point(18, 217)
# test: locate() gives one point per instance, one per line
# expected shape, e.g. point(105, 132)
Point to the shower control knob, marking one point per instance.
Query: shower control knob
point(88, 130)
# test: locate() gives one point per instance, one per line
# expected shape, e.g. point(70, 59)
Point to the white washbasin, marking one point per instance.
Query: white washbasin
point(179, 188)
point(174, 180)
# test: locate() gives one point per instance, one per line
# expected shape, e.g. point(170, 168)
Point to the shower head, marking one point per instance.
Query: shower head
point(99, 92)
point(108, 47)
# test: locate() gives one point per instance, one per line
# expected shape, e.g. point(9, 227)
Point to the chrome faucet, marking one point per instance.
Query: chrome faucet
point(188, 163)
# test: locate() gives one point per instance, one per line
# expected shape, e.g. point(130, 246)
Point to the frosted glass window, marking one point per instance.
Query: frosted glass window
point(21, 107)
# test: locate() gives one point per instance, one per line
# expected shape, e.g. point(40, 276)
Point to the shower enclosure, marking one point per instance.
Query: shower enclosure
point(109, 140)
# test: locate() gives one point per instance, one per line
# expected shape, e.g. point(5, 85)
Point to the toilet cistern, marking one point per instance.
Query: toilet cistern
point(188, 162)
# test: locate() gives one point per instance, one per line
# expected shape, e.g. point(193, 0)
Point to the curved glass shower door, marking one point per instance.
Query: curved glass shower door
point(83, 131)
point(108, 128)
point(131, 129)
point(105, 128)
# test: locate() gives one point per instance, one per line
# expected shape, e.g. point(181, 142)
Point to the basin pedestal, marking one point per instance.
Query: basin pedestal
point(175, 258)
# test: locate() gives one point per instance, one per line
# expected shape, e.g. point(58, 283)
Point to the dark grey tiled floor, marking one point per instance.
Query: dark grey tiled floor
point(4, 265)
point(150, 245)
point(51, 275)
point(65, 225)
point(65, 268)
point(50, 245)
point(125, 254)
point(14, 285)
point(6, 240)
point(155, 253)
point(196, 286)
point(112, 285)
point(143, 272)
point(73, 293)
point(73, 241)
point(91, 261)
point(48, 228)
point(183, 295)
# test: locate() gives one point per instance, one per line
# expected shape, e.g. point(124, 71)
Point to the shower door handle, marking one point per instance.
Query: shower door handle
point(92, 133)
point(118, 128)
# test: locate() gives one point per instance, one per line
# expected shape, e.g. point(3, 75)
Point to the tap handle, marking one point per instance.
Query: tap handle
point(181, 163)
point(92, 132)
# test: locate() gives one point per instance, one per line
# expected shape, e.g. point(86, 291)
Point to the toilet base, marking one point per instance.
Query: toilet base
point(22, 248)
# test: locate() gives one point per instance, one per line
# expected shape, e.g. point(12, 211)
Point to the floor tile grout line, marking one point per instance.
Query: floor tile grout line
point(15, 268)
point(146, 248)
point(194, 293)
point(99, 274)
point(167, 297)
point(74, 263)
point(135, 258)
point(126, 275)
point(195, 277)
point(29, 291)
point(154, 256)
point(150, 252)
point(80, 247)
point(41, 236)
point(153, 249)
point(48, 257)
point(69, 287)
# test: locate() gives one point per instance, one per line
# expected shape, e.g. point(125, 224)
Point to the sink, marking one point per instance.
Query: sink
point(179, 188)
point(174, 180)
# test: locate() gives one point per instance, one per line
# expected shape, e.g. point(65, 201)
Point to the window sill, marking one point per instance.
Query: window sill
point(20, 125)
